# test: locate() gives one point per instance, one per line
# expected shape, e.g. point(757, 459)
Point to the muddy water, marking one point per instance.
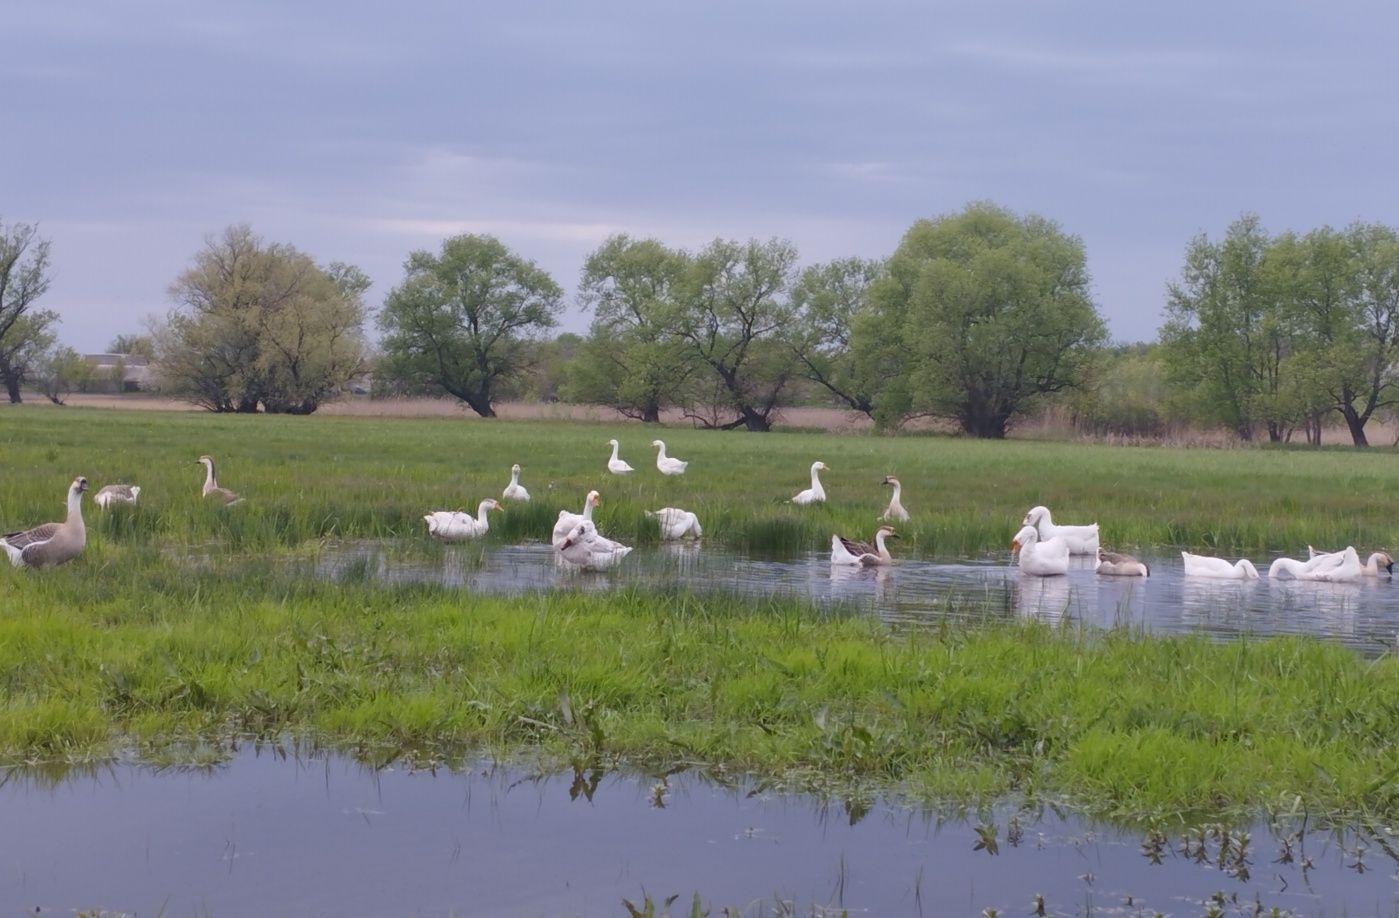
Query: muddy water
point(269, 835)
point(1364, 615)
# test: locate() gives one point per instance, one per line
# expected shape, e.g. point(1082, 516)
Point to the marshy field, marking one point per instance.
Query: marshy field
point(190, 636)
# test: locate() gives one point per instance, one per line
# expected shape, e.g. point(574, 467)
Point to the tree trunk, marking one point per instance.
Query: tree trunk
point(756, 421)
point(651, 413)
point(1356, 423)
point(991, 427)
point(12, 386)
point(1274, 432)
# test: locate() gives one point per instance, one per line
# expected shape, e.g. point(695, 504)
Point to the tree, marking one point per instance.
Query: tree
point(632, 360)
point(829, 299)
point(133, 346)
point(62, 371)
point(25, 334)
point(460, 319)
point(735, 319)
point(1228, 335)
point(262, 323)
point(982, 313)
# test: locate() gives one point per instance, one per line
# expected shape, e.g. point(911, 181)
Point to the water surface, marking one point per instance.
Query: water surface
point(1364, 615)
point(326, 837)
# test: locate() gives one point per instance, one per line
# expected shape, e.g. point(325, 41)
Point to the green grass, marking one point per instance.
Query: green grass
point(185, 628)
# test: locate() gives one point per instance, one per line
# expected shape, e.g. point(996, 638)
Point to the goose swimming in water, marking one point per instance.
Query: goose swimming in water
point(116, 494)
point(676, 524)
point(896, 509)
point(1113, 564)
point(814, 494)
point(865, 554)
point(1082, 540)
point(1203, 566)
point(514, 490)
point(51, 543)
point(615, 465)
point(567, 520)
point(667, 464)
point(1372, 565)
point(1043, 558)
point(1333, 567)
point(212, 491)
point(454, 525)
point(584, 548)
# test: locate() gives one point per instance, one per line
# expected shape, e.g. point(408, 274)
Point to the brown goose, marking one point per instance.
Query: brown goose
point(848, 551)
point(211, 485)
point(1114, 564)
point(51, 543)
point(116, 494)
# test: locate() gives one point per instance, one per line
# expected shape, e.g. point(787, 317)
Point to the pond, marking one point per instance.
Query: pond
point(272, 834)
point(1364, 615)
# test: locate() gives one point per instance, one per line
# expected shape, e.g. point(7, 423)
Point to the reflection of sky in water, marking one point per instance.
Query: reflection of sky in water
point(1364, 615)
point(272, 836)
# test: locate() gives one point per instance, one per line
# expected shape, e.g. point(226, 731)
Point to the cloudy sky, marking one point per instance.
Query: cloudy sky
point(359, 131)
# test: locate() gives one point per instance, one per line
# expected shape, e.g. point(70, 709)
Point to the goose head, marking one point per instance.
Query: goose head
point(820, 467)
point(887, 532)
point(659, 444)
point(612, 443)
point(206, 461)
point(891, 481)
point(1035, 515)
point(593, 499)
point(515, 469)
point(1382, 559)
point(78, 486)
point(580, 533)
point(1025, 537)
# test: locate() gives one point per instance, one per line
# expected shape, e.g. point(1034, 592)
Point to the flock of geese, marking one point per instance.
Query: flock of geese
point(1042, 547)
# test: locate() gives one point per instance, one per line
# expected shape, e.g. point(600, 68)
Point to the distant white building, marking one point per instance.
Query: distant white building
point(134, 371)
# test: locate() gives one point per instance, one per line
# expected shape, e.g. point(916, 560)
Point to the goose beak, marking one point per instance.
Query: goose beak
point(565, 544)
point(1389, 568)
point(892, 535)
point(1014, 545)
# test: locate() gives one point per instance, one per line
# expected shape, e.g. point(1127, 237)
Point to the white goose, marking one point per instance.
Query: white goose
point(667, 464)
point(1204, 566)
point(1114, 564)
point(51, 543)
point(847, 551)
point(514, 490)
point(814, 494)
point(584, 548)
point(211, 485)
point(615, 465)
point(1043, 558)
point(1335, 567)
point(1082, 540)
point(567, 520)
point(896, 509)
point(116, 494)
point(454, 525)
point(1372, 565)
point(676, 523)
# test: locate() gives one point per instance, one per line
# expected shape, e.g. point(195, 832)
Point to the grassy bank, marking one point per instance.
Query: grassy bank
point(175, 666)
point(309, 478)
point(185, 626)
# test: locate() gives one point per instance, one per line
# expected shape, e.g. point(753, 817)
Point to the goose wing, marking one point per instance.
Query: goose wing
point(857, 548)
point(36, 536)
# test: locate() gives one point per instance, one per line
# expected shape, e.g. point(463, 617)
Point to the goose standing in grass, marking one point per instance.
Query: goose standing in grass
point(1041, 557)
point(454, 525)
point(567, 520)
point(896, 509)
point(676, 524)
point(1082, 540)
point(51, 543)
point(212, 491)
point(865, 554)
point(1333, 567)
point(1114, 564)
point(1372, 565)
point(584, 548)
point(814, 494)
point(1204, 566)
point(514, 490)
point(667, 464)
point(116, 494)
point(615, 465)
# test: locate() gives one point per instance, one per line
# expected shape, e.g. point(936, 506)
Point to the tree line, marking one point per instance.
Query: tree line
point(979, 317)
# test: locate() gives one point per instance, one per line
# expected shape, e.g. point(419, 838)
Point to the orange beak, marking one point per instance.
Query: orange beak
point(1014, 544)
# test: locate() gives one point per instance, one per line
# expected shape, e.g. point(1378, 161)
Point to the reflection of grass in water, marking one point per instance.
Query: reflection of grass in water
point(144, 656)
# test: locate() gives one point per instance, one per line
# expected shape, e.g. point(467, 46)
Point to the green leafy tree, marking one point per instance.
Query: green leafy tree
point(829, 299)
point(61, 372)
point(633, 360)
point(25, 333)
point(133, 345)
point(736, 321)
point(460, 321)
point(981, 314)
point(262, 324)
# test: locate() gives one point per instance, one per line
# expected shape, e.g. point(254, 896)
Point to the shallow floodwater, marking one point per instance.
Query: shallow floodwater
point(1364, 615)
point(320, 837)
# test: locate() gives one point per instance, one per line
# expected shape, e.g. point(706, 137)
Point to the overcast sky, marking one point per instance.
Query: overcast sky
point(359, 131)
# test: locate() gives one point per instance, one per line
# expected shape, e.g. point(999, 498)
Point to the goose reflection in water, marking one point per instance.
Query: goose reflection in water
point(1046, 599)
